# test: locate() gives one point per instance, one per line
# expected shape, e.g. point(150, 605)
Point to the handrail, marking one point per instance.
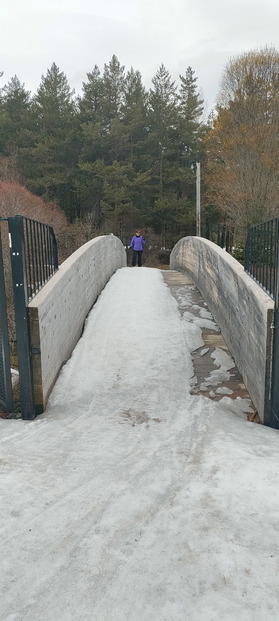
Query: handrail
point(261, 252)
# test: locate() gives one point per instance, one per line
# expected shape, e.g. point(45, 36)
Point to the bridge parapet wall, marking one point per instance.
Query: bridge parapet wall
point(58, 311)
point(242, 310)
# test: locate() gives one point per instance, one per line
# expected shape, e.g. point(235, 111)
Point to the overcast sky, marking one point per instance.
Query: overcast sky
point(77, 34)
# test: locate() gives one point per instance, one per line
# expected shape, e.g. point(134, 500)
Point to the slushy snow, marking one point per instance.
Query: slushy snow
point(130, 499)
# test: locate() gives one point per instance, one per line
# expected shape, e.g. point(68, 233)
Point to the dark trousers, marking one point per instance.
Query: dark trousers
point(136, 257)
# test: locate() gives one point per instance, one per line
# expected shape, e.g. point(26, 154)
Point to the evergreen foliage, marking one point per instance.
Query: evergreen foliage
point(118, 154)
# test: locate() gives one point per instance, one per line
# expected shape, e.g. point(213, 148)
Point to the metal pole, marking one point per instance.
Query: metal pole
point(7, 398)
point(274, 415)
point(198, 198)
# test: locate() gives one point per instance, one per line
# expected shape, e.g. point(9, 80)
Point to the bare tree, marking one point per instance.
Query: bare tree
point(242, 148)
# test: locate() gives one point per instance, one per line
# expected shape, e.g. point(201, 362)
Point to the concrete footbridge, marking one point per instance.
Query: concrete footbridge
point(242, 311)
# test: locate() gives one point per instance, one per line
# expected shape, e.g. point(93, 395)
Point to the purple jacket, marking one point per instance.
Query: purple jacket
point(137, 242)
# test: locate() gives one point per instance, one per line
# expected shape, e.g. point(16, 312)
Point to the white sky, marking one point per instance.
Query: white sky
point(77, 34)
point(130, 498)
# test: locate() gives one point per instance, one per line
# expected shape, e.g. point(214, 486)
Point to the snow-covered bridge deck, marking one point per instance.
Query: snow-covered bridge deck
point(131, 499)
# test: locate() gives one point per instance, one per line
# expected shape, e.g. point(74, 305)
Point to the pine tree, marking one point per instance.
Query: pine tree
point(90, 104)
point(190, 116)
point(190, 134)
point(52, 158)
point(162, 147)
point(112, 104)
point(91, 118)
point(135, 115)
point(15, 124)
point(113, 122)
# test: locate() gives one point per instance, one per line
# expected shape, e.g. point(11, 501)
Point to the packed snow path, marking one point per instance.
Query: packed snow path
point(130, 499)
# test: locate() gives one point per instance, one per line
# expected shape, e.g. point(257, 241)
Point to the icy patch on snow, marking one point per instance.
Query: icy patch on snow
point(240, 407)
point(220, 375)
point(222, 359)
point(202, 321)
point(192, 335)
point(184, 296)
point(224, 390)
point(205, 313)
point(206, 323)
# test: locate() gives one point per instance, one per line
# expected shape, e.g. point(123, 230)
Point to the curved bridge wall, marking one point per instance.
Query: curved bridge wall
point(58, 312)
point(242, 310)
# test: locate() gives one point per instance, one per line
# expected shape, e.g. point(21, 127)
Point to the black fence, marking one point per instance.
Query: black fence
point(262, 263)
point(34, 260)
point(41, 257)
point(261, 255)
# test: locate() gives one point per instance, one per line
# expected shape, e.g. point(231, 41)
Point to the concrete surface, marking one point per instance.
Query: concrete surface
point(203, 361)
point(242, 310)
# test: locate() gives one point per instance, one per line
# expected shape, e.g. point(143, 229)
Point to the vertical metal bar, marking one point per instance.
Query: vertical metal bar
point(54, 250)
point(49, 249)
point(272, 257)
point(44, 253)
point(40, 255)
point(265, 255)
point(256, 254)
point(34, 243)
point(7, 400)
point(22, 326)
point(260, 251)
point(36, 255)
point(28, 259)
point(48, 253)
point(255, 250)
point(274, 415)
point(51, 252)
point(33, 273)
point(270, 254)
point(44, 263)
point(246, 253)
point(275, 255)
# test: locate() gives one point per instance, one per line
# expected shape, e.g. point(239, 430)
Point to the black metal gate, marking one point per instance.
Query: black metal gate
point(33, 256)
point(6, 393)
point(262, 264)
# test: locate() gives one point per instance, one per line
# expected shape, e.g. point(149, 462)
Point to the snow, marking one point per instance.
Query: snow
point(130, 498)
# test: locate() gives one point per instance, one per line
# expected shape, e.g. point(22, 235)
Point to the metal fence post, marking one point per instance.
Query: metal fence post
point(274, 410)
point(6, 391)
point(22, 327)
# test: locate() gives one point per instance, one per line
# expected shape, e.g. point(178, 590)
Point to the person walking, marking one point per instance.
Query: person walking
point(137, 247)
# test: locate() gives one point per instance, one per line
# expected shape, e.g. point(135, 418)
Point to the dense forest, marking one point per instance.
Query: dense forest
point(119, 156)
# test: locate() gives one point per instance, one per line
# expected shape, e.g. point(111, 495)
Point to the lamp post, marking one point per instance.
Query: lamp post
point(196, 167)
point(198, 199)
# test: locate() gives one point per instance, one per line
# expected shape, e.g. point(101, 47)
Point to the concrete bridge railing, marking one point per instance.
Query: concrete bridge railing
point(242, 310)
point(58, 312)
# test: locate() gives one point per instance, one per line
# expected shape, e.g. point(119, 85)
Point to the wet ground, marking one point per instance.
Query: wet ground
point(203, 362)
